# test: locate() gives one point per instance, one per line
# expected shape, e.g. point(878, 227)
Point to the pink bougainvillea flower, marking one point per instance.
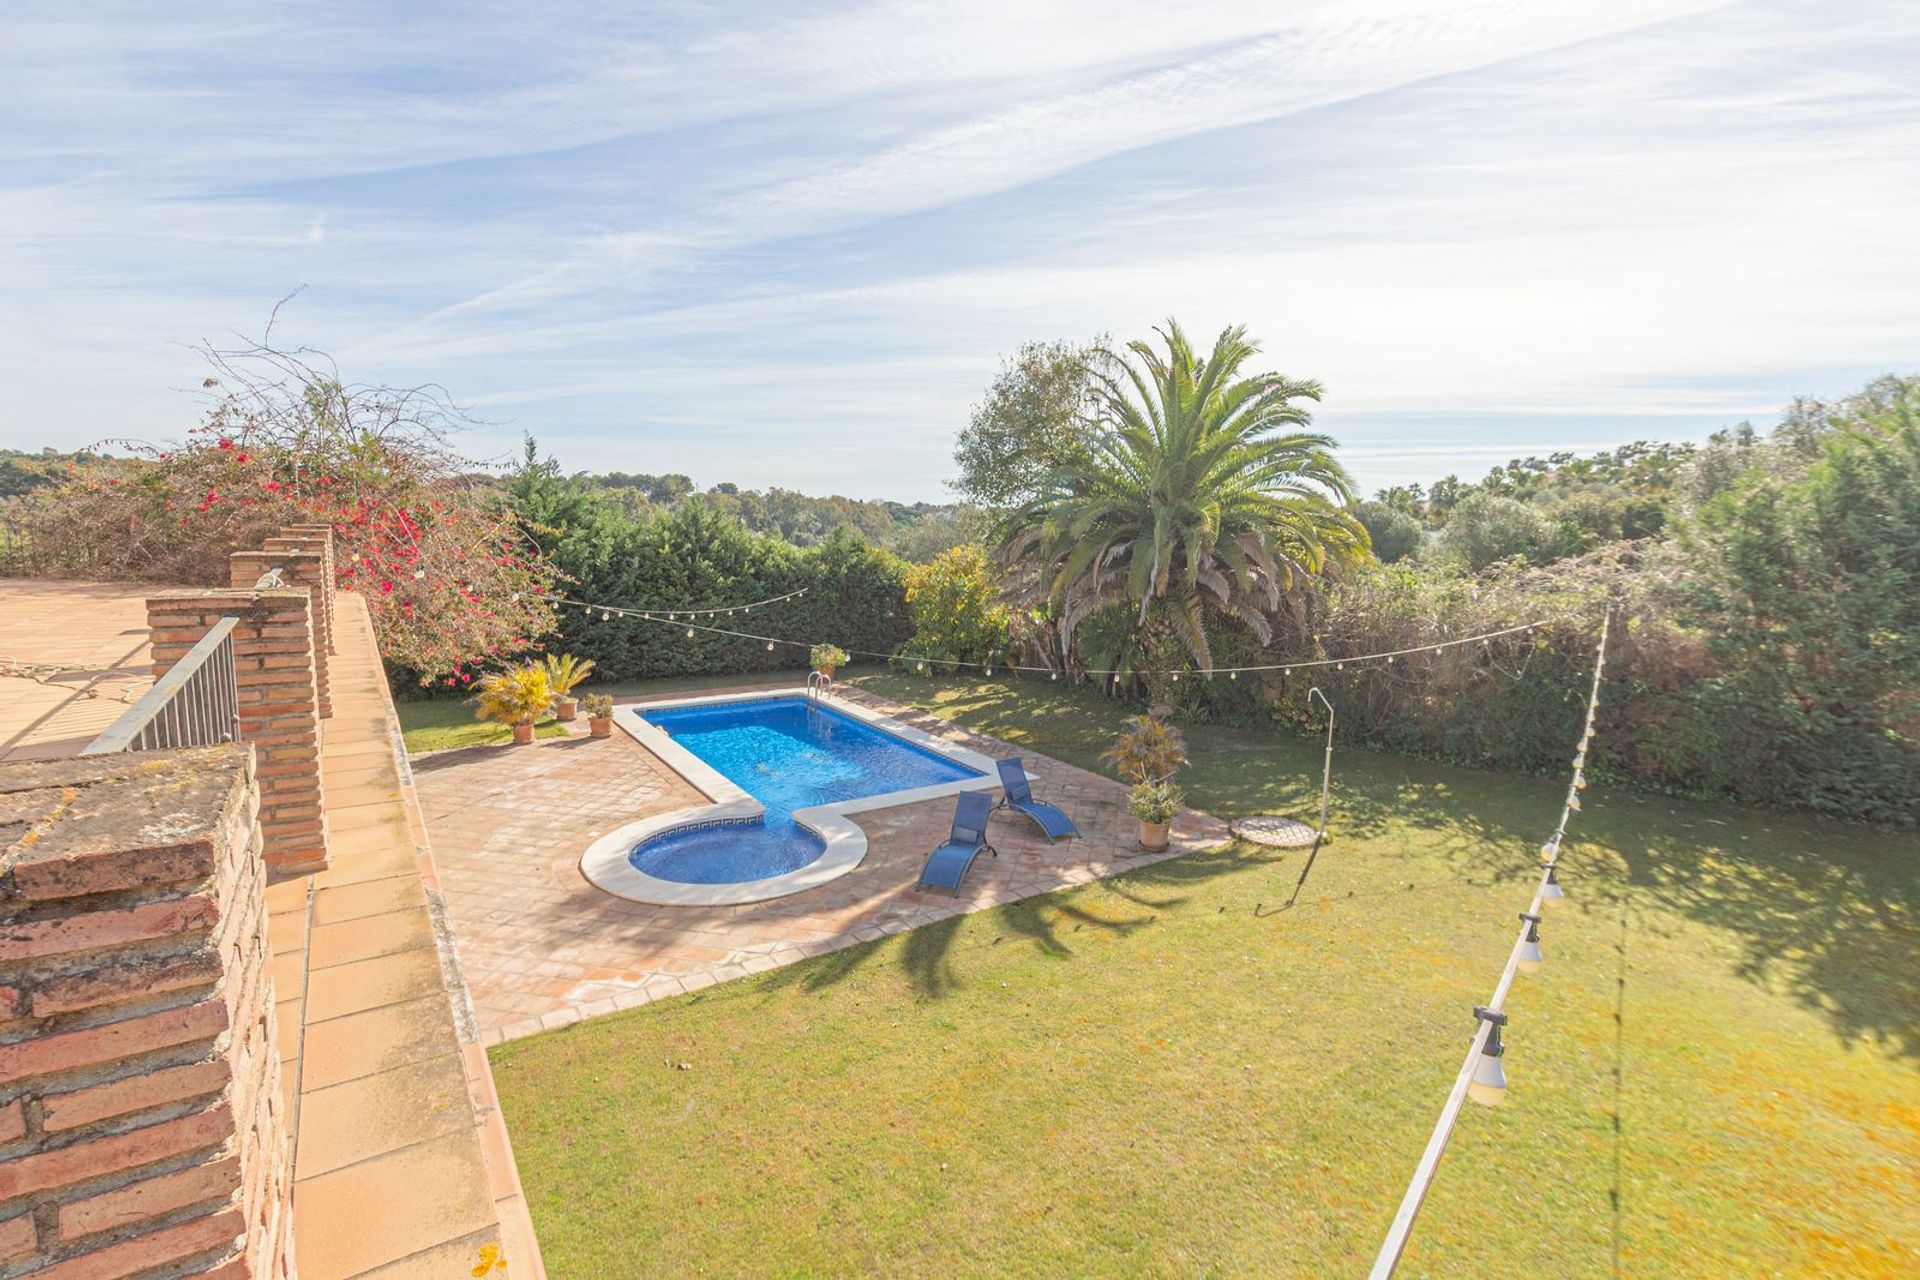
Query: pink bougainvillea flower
point(386, 588)
point(225, 443)
point(240, 457)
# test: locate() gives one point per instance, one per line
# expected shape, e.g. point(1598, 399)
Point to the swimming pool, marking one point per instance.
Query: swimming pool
point(783, 774)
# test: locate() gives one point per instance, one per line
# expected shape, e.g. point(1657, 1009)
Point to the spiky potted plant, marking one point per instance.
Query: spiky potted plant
point(1147, 755)
point(1154, 804)
point(599, 714)
point(827, 658)
point(516, 698)
point(564, 674)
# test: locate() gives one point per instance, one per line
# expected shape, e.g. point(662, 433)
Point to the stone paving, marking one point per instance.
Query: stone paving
point(73, 657)
point(541, 947)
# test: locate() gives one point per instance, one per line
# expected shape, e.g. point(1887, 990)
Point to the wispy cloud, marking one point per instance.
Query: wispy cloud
point(784, 247)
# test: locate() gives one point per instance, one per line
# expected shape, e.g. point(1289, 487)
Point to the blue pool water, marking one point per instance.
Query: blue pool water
point(787, 756)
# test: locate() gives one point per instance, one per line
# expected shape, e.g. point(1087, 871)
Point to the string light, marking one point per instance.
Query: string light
point(1482, 1077)
point(1531, 959)
point(994, 662)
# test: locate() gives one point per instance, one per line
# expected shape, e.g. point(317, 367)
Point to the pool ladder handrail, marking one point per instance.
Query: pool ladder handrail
point(819, 685)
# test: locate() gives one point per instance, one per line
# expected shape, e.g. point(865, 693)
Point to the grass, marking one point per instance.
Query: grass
point(1228, 1063)
point(435, 724)
point(439, 724)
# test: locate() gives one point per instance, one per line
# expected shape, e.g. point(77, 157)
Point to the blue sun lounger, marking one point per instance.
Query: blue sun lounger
point(1019, 798)
point(947, 866)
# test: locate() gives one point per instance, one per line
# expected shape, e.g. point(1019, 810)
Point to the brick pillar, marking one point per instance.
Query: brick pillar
point(314, 537)
point(273, 654)
point(142, 1127)
point(306, 570)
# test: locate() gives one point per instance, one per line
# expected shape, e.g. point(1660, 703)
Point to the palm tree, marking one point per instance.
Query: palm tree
point(1200, 493)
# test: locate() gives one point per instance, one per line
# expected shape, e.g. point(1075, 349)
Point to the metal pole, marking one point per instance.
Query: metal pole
point(1326, 772)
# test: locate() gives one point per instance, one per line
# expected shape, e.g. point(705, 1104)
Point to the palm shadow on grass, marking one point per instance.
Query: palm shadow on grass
point(930, 956)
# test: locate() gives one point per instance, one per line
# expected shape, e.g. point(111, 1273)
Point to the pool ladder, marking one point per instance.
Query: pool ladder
point(818, 687)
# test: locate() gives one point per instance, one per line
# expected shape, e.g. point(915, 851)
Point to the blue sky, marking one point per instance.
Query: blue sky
point(788, 244)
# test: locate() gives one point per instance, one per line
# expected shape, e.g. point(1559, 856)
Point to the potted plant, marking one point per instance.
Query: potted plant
point(826, 658)
point(599, 714)
point(1147, 755)
point(515, 697)
point(564, 674)
point(1155, 804)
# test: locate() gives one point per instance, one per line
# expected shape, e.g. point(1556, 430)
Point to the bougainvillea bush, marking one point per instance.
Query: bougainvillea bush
point(452, 580)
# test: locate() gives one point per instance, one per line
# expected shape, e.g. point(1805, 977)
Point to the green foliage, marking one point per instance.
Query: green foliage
point(518, 695)
point(1149, 750)
point(826, 658)
point(565, 672)
point(957, 613)
point(1154, 803)
point(695, 557)
point(1486, 528)
point(1200, 496)
point(597, 705)
point(1395, 534)
point(1029, 427)
point(1810, 584)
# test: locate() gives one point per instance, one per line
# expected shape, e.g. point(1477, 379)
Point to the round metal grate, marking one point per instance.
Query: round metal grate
point(1272, 829)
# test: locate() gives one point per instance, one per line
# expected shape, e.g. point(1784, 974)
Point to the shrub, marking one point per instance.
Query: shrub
point(518, 695)
point(1155, 803)
point(694, 558)
point(443, 562)
point(1395, 534)
point(1485, 528)
point(954, 601)
point(565, 672)
point(826, 658)
point(598, 705)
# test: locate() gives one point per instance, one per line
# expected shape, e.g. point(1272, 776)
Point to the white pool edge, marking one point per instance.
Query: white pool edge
point(605, 863)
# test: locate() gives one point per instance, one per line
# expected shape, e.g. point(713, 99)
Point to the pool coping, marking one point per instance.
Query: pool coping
point(605, 863)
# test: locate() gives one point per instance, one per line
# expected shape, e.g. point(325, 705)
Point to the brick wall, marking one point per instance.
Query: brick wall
point(314, 537)
point(274, 657)
point(301, 567)
point(141, 1121)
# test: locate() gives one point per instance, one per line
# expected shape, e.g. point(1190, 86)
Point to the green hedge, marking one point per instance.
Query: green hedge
point(697, 558)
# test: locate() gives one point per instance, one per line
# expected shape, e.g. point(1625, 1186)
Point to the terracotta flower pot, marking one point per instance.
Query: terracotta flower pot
point(522, 734)
point(600, 726)
point(567, 709)
point(824, 671)
point(1153, 836)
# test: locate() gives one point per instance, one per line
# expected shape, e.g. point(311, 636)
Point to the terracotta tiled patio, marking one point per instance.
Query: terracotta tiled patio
point(73, 657)
point(541, 947)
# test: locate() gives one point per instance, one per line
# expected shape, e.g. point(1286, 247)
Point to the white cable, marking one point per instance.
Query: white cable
point(1423, 1174)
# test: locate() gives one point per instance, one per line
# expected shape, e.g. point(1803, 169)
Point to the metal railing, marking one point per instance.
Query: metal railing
point(196, 704)
point(819, 685)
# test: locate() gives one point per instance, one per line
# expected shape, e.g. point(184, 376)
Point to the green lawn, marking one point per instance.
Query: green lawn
point(1227, 1064)
point(435, 724)
point(439, 724)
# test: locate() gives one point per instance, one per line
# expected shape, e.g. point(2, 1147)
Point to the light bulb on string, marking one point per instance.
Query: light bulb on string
point(689, 633)
point(769, 646)
point(1233, 675)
